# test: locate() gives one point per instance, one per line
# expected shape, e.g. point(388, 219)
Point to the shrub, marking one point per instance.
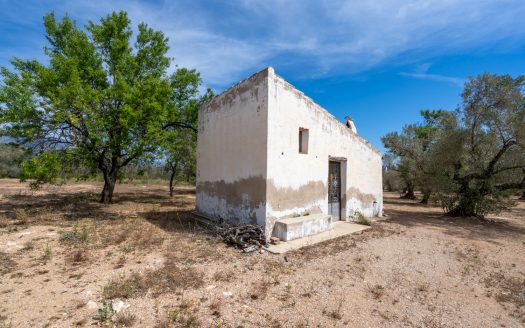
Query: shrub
point(124, 319)
point(360, 218)
point(106, 312)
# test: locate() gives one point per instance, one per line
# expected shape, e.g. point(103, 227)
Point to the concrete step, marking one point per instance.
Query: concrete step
point(302, 226)
point(337, 229)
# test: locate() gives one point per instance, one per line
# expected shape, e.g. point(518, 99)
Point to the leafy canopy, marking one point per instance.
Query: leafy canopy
point(471, 159)
point(102, 101)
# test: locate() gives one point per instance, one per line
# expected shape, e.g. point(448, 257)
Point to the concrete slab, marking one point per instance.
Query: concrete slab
point(337, 229)
point(299, 227)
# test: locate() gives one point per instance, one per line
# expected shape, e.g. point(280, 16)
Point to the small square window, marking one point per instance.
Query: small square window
point(303, 141)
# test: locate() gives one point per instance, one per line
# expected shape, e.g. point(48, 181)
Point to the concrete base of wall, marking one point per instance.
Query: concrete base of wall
point(299, 227)
point(337, 229)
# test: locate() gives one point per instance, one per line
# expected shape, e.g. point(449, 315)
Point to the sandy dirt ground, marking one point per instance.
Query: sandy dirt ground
point(64, 259)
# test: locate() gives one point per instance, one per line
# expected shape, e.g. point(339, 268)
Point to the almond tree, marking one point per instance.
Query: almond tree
point(102, 100)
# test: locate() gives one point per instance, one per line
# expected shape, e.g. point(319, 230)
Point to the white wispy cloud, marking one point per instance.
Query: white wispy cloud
point(316, 38)
point(436, 77)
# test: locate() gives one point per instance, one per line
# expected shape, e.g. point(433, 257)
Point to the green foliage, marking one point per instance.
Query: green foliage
point(409, 150)
point(106, 312)
point(472, 159)
point(40, 169)
point(77, 235)
point(361, 219)
point(11, 156)
point(179, 147)
point(102, 102)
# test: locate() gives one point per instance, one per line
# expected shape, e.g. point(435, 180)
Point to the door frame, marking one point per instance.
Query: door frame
point(342, 197)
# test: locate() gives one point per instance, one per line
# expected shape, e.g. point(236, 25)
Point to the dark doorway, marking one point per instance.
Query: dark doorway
point(334, 190)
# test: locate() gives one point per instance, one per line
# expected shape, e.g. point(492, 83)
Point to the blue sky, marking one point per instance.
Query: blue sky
point(379, 62)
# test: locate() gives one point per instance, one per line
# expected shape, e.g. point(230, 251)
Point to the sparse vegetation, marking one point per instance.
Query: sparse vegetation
point(377, 291)
point(77, 235)
point(122, 287)
point(47, 254)
point(189, 280)
point(361, 219)
point(260, 289)
point(8, 264)
point(21, 216)
point(124, 319)
point(168, 278)
point(185, 314)
point(338, 312)
point(106, 312)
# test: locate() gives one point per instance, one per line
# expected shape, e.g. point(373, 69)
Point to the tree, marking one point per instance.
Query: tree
point(480, 156)
point(179, 146)
point(11, 156)
point(100, 102)
point(410, 152)
point(471, 159)
point(391, 177)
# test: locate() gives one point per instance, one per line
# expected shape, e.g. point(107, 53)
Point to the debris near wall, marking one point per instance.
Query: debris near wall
point(248, 238)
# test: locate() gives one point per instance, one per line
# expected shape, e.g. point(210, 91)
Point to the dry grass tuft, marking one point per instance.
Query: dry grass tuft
point(216, 306)
point(124, 319)
point(78, 256)
point(507, 289)
point(377, 291)
point(224, 276)
point(166, 279)
point(185, 315)
point(134, 233)
point(260, 289)
point(8, 264)
point(122, 287)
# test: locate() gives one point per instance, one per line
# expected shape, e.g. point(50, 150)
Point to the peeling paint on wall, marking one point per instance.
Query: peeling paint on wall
point(283, 198)
point(249, 168)
point(234, 192)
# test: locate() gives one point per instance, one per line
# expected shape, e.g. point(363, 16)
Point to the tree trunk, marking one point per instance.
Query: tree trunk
point(110, 180)
point(467, 204)
point(426, 196)
point(409, 192)
point(172, 177)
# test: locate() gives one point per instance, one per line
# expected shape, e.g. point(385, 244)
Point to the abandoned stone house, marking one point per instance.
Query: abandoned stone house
point(269, 155)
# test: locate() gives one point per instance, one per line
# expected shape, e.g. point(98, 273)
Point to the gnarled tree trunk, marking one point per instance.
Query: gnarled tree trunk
point(426, 196)
point(110, 181)
point(409, 192)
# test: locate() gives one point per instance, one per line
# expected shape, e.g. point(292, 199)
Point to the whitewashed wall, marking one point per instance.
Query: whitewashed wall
point(298, 182)
point(231, 153)
point(249, 168)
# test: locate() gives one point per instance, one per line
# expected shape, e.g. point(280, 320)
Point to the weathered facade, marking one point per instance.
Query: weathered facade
point(268, 154)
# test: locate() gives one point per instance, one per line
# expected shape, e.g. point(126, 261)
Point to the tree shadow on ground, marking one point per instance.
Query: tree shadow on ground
point(178, 221)
point(70, 206)
point(490, 230)
point(79, 205)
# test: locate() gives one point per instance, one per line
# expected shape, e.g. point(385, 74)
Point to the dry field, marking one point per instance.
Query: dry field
point(64, 257)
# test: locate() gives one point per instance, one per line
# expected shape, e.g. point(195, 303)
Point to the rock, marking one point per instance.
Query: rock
point(274, 240)
point(210, 287)
point(249, 249)
point(119, 305)
point(92, 305)
point(227, 294)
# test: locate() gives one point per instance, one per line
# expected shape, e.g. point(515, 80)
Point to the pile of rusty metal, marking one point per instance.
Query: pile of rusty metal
point(248, 238)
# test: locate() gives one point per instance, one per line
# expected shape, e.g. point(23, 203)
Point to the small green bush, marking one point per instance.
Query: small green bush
point(106, 312)
point(360, 218)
